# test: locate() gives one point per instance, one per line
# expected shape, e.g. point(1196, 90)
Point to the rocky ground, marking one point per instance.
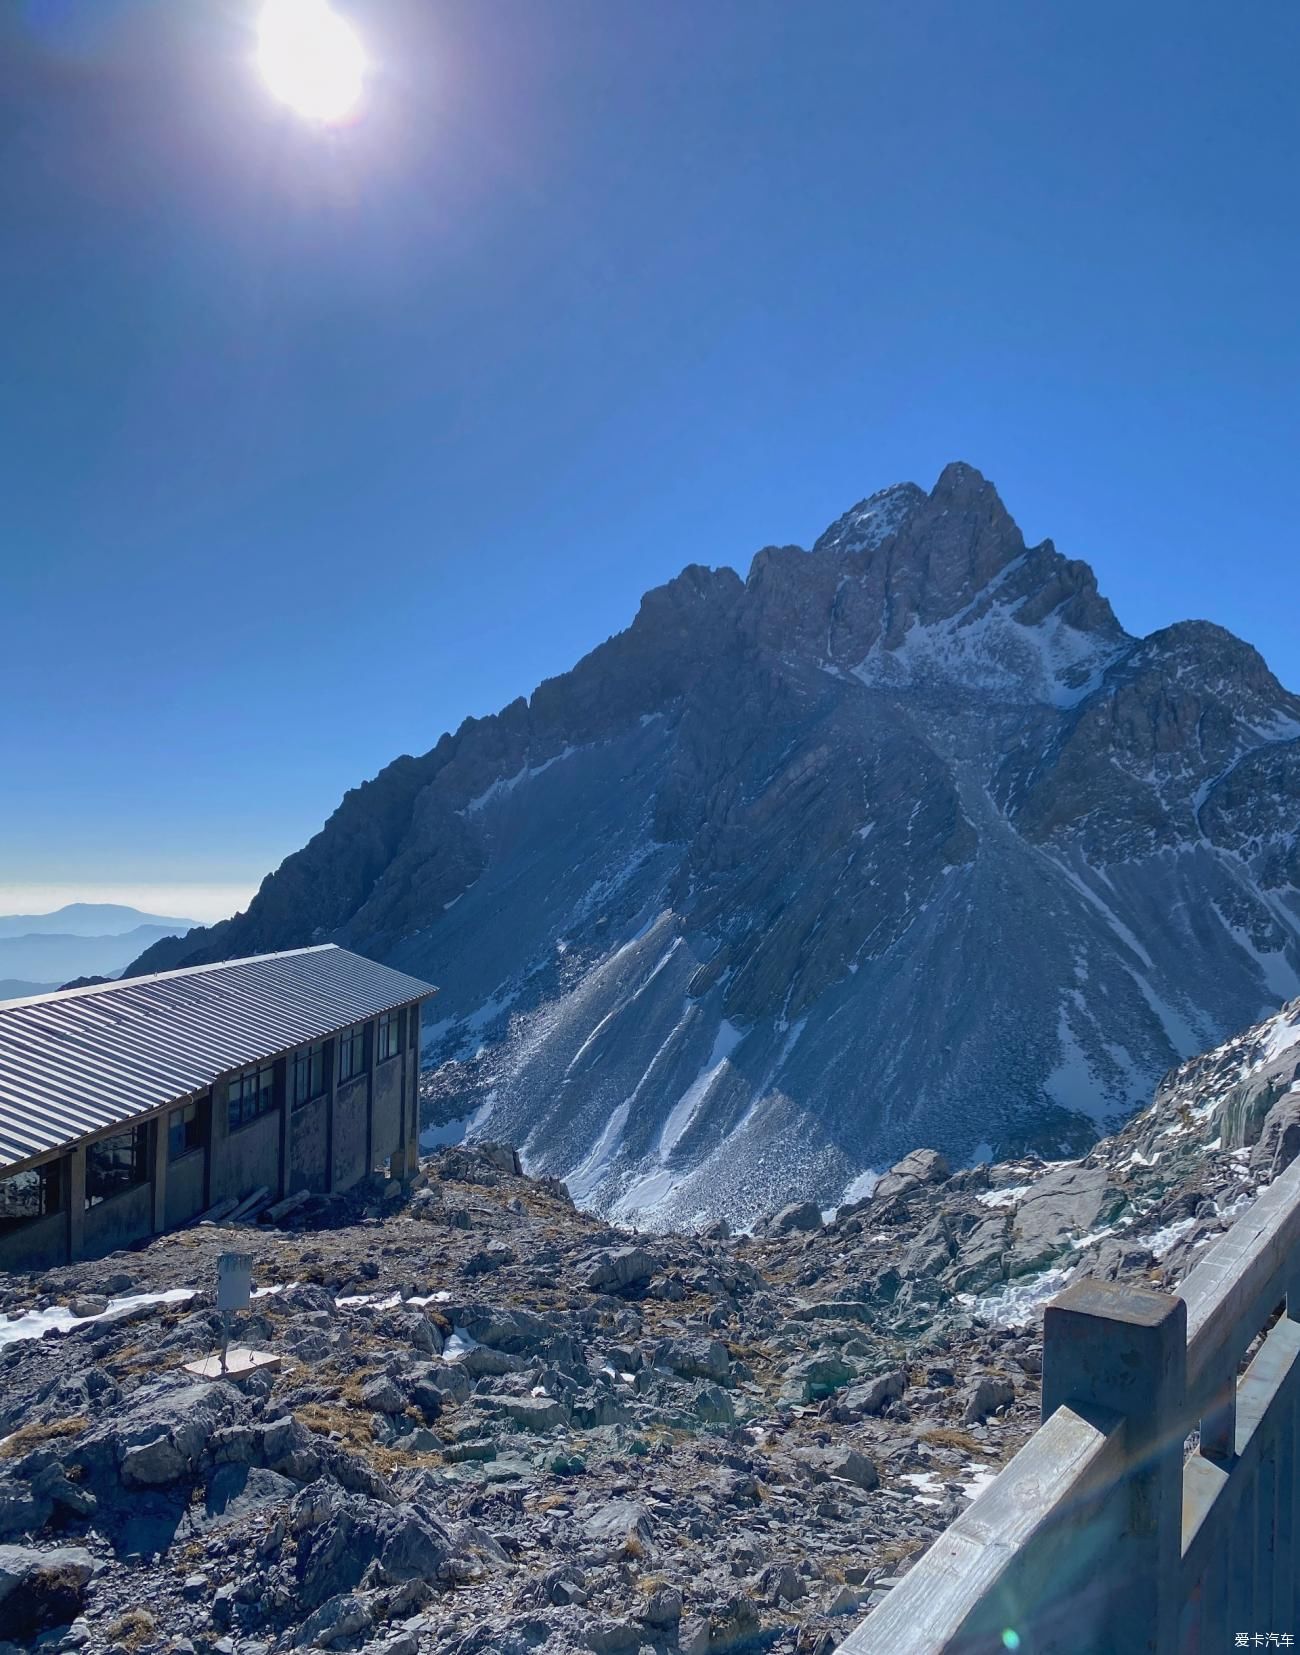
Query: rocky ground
point(501, 1425)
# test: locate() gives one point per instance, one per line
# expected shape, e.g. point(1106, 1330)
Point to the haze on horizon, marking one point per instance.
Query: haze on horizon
point(319, 438)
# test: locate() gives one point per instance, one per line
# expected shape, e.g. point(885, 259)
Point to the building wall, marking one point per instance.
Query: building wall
point(37, 1245)
point(387, 1133)
point(243, 1160)
point(118, 1221)
point(308, 1146)
point(185, 1194)
point(351, 1132)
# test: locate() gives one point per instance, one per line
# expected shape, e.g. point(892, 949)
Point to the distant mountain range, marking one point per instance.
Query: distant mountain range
point(902, 840)
point(39, 952)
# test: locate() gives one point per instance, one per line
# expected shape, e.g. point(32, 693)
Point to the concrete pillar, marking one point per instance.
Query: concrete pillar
point(413, 1119)
point(331, 1101)
point(1124, 1349)
point(159, 1140)
point(76, 1202)
point(286, 1126)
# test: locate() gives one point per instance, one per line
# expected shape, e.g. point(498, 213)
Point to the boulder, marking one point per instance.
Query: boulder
point(382, 1395)
point(712, 1405)
point(1061, 1206)
point(871, 1396)
point(815, 1376)
point(621, 1269)
point(41, 1589)
point(1279, 1141)
point(695, 1358)
point(336, 1621)
point(922, 1166)
point(990, 1392)
point(504, 1157)
point(157, 1436)
point(619, 1523)
point(796, 1215)
point(821, 1464)
point(345, 1539)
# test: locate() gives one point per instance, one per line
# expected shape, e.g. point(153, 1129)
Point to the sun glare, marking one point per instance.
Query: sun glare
point(311, 59)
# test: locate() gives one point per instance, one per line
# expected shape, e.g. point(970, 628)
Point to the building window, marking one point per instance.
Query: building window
point(116, 1164)
point(184, 1131)
point(390, 1035)
point(251, 1095)
point(35, 1193)
point(413, 1018)
point(310, 1073)
point(352, 1053)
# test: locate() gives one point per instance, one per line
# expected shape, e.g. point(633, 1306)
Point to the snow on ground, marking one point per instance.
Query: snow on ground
point(456, 1132)
point(507, 784)
point(973, 1479)
point(860, 1188)
point(459, 1345)
point(587, 1177)
point(1018, 1303)
point(684, 1110)
point(1008, 1196)
point(34, 1324)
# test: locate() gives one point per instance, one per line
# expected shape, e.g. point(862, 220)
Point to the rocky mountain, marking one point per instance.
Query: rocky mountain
point(899, 840)
point(501, 1425)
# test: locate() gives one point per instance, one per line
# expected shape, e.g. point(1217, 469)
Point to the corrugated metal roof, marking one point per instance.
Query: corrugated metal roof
point(83, 1059)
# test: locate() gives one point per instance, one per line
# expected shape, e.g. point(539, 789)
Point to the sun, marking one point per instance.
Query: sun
point(311, 59)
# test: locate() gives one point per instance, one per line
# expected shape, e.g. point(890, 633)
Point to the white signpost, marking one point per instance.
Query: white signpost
point(234, 1292)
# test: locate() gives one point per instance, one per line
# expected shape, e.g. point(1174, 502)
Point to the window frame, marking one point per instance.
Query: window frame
point(388, 1036)
point(314, 1060)
point(349, 1040)
point(195, 1135)
point(50, 1197)
point(139, 1136)
point(263, 1100)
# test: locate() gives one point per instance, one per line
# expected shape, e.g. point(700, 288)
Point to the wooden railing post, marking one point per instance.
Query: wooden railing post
point(1122, 1348)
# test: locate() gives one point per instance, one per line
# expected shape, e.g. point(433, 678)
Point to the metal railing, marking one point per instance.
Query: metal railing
point(1103, 1536)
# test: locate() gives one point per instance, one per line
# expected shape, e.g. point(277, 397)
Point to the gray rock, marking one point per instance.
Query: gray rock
point(620, 1523)
point(922, 1166)
point(871, 1396)
point(847, 1464)
point(990, 1392)
point(1060, 1206)
point(796, 1215)
point(41, 1589)
point(1279, 1141)
point(819, 1375)
point(712, 1404)
point(383, 1396)
point(335, 1622)
point(620, 1270)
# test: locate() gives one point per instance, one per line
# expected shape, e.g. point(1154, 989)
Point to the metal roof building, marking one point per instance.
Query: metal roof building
point(331, 1041)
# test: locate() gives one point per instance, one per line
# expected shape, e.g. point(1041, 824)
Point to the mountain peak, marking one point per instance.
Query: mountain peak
point(872, 521)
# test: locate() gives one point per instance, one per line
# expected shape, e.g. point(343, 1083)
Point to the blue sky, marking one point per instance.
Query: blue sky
point(313, 443)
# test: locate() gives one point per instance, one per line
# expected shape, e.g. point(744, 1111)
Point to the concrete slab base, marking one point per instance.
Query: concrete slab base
point(240, 1362)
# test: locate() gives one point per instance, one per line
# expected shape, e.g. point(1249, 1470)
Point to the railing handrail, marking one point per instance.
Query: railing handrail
point(942, 1603)
point(1127, 1373)
point(1241, 1280)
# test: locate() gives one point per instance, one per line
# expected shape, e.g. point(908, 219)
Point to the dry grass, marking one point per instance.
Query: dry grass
point(27, 1437)
point(132, 1630)
point(548, 1502)
point(896, 1551)
point(951, 1437)
point(325, 1417)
